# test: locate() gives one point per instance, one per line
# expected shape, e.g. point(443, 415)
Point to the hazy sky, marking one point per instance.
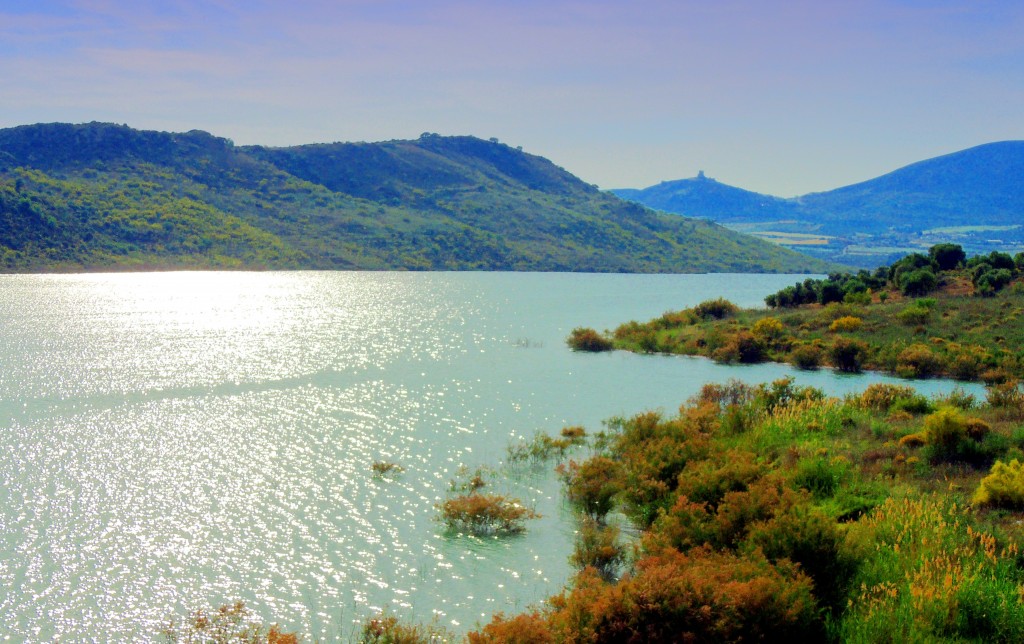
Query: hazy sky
point(779, 97)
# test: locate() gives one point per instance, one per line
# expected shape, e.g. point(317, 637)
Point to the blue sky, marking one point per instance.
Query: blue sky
point(779, 97)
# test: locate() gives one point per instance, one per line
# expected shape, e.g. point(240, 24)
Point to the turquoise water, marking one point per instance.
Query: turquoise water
point(172, 441)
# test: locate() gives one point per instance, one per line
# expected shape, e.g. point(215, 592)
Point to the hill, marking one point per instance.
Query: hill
point(104, 196)
point(974, 197)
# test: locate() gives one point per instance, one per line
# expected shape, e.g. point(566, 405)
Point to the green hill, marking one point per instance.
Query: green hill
point(103, 196)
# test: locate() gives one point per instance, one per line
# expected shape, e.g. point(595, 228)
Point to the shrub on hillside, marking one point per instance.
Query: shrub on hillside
point(918, 282)
point(769, 330)
point(1003, 487)
point(845, 324)
point(717, 309)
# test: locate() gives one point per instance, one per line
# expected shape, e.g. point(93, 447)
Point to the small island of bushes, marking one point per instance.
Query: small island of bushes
point(935, 314)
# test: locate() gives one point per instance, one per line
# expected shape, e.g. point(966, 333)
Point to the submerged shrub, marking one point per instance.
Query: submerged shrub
point(229, 623)
point(597, 546)
point(586, 339)
point(485, 514)
point(387, 629)
point(592, 485)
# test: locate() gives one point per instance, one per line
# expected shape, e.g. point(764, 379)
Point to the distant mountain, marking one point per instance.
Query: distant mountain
point(104, 196)
point(974, 197)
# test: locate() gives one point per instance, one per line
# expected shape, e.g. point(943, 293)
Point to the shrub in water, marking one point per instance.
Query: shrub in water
point(586, 339)
point(592, 485)
point(485, 514)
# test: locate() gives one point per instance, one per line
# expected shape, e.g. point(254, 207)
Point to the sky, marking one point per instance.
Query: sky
point(776, 96)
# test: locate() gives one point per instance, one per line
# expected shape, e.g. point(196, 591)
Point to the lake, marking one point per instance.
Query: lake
point(173, 441)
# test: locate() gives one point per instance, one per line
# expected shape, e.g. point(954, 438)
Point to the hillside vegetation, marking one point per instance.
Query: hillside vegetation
point(104, 196)
point(927, 315)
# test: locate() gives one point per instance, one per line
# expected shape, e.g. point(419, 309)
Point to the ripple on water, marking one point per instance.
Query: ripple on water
point(179, 440)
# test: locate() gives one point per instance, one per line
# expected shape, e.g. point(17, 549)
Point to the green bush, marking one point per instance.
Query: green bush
point(806, 356)
point(847, 354)
point(1003, 487)
point(820, 475)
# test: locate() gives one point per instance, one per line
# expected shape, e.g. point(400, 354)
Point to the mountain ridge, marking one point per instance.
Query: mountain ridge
point(979, 190)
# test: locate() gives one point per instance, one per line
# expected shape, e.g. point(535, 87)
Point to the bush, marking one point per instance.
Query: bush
point(820, 475)
point(806, 356)
point(387, 629)
point(918, 282)
point(847, 323)
point(717, 309)
point(914, 315)
point(769, 329)
point(1003, 487)
point(585, 339)
point(700, 596)
point(234, 623)
point(485, 514)
point(807, 537)
point(597, 546)
point(918, 361)
point(592, 485)
point(881, 396)
point(847, 354)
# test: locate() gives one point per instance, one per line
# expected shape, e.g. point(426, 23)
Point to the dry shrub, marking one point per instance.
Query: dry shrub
point(525, 628)
point(229, 623)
